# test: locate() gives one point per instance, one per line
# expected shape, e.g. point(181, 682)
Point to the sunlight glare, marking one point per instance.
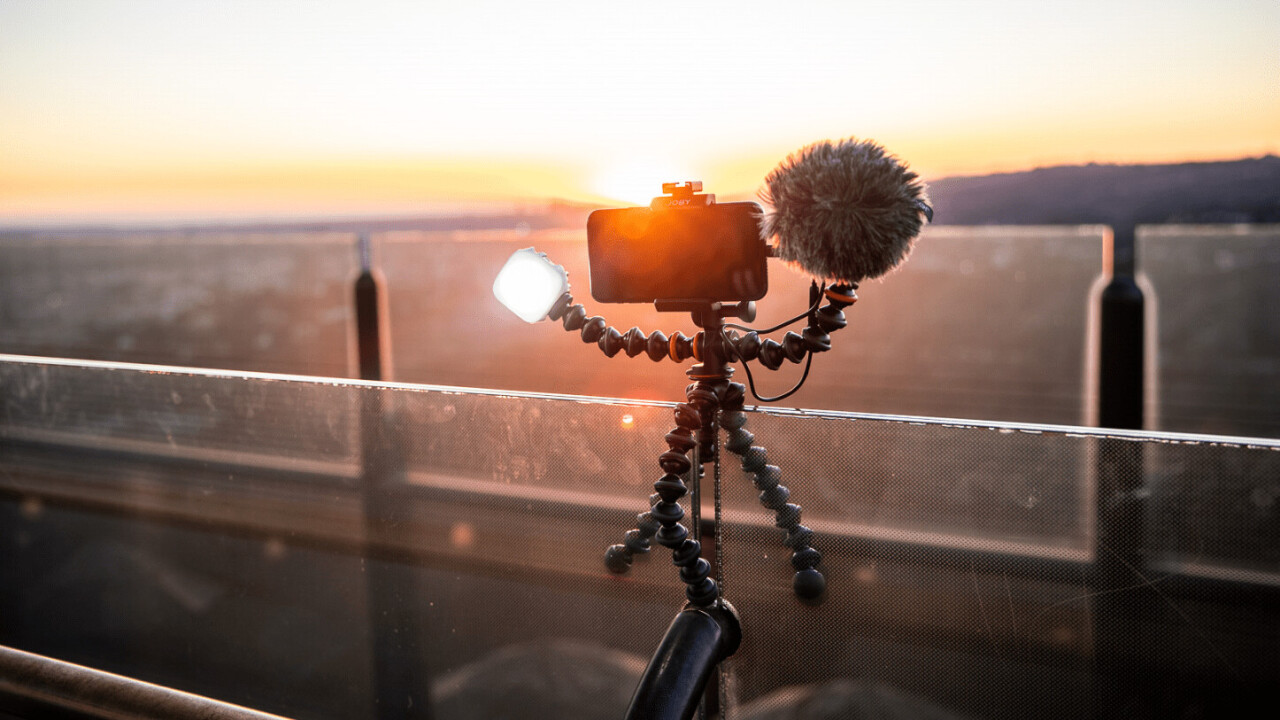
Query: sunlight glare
point(636, 181)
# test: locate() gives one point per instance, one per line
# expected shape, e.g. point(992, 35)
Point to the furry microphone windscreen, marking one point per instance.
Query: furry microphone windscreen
point(844, 210)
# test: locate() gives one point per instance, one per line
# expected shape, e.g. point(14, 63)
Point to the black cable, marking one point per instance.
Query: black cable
point(812, 309)
point(751, 381)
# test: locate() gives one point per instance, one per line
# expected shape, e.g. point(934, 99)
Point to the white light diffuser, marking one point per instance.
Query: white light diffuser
point(529, 284)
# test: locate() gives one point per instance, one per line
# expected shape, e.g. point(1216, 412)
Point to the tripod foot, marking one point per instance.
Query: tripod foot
point(618, 559)
point(809, 584)
point(635, 542)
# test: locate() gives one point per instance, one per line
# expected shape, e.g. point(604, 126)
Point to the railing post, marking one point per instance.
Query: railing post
point(1122, 343)
point(399, 658)
point(372, 355)
point(1123, 601)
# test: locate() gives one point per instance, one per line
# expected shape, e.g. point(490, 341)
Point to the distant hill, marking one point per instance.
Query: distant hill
point(1245, 191)
point(1237, 191)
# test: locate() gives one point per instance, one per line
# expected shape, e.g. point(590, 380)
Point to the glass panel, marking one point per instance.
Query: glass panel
point(1214, 305)
point(981, 323)
point(346, 546)
point(267, 301)
point(281, 302)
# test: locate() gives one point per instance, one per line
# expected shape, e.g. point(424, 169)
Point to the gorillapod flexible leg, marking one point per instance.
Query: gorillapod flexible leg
point(808, 582)
point(663, 519)
point(712, 402)
point(695, 420)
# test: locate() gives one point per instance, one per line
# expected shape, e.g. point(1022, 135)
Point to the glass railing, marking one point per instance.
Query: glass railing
point(323, 548)
point(994, 323)
point(982, 322)
point(239, 300)
point(1214, 317)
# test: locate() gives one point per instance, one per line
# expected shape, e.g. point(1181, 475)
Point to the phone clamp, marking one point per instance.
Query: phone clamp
point(682, 194)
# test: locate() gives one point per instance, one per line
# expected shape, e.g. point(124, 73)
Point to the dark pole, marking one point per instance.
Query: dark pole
point(369, 310)
point(681, 668)
point(400, 673)
point(1124, 602)
point(1121, 365)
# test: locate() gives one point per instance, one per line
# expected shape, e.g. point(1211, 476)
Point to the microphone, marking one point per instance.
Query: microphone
point(844, 211)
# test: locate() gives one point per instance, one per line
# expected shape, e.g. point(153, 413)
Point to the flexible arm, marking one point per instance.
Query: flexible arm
point(595, 329)
point(794, 347)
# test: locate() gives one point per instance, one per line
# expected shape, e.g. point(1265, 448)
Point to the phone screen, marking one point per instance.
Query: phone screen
point(713, 252)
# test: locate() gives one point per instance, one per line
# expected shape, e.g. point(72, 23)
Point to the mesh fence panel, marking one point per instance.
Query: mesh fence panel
point(955, 561)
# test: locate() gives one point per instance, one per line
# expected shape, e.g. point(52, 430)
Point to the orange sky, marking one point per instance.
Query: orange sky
point(248, 109)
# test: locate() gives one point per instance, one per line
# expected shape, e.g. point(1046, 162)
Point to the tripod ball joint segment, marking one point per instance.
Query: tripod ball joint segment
point(595, 329)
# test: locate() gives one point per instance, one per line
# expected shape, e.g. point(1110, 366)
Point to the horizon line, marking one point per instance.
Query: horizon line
point(514, 207)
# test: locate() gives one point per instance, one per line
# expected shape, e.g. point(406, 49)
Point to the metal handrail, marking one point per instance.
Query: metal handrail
point(37, 686)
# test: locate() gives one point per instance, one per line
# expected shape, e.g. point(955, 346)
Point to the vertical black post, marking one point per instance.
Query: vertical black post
point(1122, 342)
point(400, 674)
point(369, 313)
point(1123, 603)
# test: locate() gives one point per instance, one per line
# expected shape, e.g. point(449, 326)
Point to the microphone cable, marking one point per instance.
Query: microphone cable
point(816, 294)
point(807, 313)
point(751, 381)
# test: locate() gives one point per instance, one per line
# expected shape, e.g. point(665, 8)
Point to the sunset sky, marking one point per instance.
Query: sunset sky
point(128, 110)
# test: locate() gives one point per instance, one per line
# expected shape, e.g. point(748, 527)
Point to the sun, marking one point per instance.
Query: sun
point(636, 181)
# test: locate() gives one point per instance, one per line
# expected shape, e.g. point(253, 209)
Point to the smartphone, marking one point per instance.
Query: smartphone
point(711, 252)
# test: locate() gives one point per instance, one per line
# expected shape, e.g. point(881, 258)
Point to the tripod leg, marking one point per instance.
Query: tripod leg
point(809, 582)
point(618, 558)
point(663, 519)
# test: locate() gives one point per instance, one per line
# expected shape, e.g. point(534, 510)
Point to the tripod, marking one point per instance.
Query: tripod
point(712, 402)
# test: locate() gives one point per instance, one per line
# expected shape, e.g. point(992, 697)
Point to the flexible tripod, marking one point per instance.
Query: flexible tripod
point(713, 402)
